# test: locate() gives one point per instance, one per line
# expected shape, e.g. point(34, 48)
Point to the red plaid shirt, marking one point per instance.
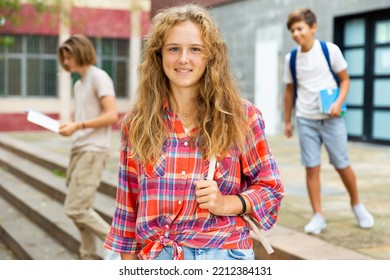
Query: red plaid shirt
point(156, 204)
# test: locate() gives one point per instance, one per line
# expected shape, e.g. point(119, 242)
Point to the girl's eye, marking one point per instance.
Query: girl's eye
point(195, 50)
point(173, 49)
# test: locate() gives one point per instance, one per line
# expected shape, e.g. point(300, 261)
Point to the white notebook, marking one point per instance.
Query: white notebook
point(43, 120)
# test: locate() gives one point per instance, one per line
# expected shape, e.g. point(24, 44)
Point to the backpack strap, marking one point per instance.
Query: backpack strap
point(326, 53)
point(293, 58)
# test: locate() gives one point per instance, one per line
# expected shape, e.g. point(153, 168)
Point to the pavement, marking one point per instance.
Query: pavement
point(370, 163)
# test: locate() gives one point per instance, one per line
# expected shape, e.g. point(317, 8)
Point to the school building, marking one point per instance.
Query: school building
point(31, 77)
point(257, 37)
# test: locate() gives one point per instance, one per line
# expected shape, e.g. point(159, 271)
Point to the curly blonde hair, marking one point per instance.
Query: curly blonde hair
point(219, 106)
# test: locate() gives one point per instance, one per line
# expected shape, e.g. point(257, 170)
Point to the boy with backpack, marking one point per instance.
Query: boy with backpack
point(315, 66)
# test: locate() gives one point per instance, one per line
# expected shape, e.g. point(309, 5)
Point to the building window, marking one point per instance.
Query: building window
point(112, 57)
point(29, 67)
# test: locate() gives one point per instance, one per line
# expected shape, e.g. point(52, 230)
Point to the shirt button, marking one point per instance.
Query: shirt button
point(179, 202)
point(167, 226)
point(183, 173)
point(186, 143)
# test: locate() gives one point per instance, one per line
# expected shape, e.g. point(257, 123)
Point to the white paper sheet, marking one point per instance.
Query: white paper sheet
point(43, 120)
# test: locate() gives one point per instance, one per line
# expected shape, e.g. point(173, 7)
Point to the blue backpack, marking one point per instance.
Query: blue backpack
point(293, 59)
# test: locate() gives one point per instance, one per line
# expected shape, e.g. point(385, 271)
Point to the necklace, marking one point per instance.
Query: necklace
point(185, 125)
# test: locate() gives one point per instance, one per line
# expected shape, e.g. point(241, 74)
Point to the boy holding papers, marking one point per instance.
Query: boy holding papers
point(317, 66)
point(95, 112)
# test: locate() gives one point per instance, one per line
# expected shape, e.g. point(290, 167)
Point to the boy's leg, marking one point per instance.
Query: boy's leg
point(83, 181)
point(314, 187)
point(335, 139)
point(348, 177)
point(310, 143)
point(336, 143)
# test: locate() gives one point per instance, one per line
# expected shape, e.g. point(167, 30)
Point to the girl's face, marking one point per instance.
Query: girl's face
point(184, 56)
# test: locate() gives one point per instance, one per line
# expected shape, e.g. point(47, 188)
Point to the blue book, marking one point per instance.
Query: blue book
point(327, 98)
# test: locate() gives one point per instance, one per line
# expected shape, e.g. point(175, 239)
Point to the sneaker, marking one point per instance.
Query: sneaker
point(111, 255)
point(316, 225)
point(364, 218)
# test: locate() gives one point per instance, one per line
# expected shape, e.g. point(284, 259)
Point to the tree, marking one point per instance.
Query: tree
point(9, 13)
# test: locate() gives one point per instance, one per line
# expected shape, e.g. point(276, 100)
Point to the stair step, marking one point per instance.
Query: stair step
point(47, 182)
point(26, 240)
point(52, 161)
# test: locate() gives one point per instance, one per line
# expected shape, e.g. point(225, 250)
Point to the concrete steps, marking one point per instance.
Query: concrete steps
point(33, 223)
point(32, 203)
point(26, 239)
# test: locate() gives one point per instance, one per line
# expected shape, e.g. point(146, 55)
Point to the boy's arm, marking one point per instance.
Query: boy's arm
point(288, 105)
point(335, 109)
point(107, 117)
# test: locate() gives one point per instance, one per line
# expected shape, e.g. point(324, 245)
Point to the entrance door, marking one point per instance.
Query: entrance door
point(365, 42)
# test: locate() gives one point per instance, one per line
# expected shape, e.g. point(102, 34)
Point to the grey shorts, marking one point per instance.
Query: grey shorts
point(332, 133)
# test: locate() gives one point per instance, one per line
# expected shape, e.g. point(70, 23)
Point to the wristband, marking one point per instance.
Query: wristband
point(243, 204)
point(83, 125)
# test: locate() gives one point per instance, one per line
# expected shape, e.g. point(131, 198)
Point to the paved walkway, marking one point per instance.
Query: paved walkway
point(370, 162)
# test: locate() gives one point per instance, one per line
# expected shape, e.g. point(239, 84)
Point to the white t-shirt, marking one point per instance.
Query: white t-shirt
point(313, 74)
point(88, 90)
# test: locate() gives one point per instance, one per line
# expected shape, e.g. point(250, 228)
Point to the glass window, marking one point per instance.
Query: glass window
point(113, 58)
point(49, 44)
point(49, 75)
point(381, 124)
point(382, 92)
point(107, 48)
point(382, 61)
point(354, 31)
point(2, 84)
point(33, 44)
point(17, 46)
point(120, 77)
point(122, 48)
point(14, 74)
point(382, 32)
point(31, 60)
point(33, 77)
point(354, 122)
point(355, 59)
point(356, 92)
point(107, 66)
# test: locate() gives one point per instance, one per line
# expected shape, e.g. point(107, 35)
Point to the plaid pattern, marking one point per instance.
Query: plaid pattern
point(156, 203)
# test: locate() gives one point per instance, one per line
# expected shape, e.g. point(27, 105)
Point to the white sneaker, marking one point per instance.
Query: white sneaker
point(111, 255)
point(364, 218)
point(316, 224)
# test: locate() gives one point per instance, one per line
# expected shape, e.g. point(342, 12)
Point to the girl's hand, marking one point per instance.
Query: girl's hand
point(209, 197)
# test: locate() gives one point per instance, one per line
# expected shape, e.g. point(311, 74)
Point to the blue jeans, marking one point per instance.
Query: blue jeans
point(208, 254)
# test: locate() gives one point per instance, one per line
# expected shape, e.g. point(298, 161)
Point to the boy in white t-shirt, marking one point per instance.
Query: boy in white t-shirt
point(95, 112)
point(315, 128)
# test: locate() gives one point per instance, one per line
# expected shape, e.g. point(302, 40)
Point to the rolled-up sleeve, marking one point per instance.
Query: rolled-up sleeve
point(265, 189)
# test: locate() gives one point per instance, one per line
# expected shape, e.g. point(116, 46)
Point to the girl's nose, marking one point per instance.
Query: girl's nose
point(184, 57)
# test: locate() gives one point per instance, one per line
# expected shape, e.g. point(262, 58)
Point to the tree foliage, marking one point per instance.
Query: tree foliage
point(9, 13)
